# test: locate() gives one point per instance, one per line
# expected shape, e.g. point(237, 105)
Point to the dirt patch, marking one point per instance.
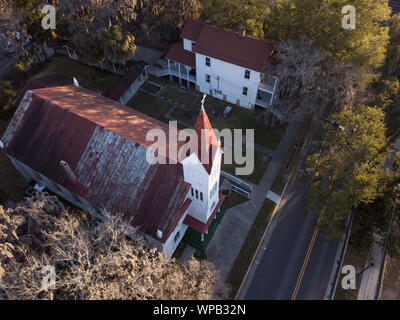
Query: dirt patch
point(12, 184)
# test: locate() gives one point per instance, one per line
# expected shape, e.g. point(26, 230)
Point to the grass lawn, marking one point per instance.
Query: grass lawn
point(149, 105)
point(239, 117)
point(90, 77)
point(292, 159)
point(357, 259)
point(152, 88)
point(180, 96)
point(234, 200)
point(259, 168)
point(249, 247)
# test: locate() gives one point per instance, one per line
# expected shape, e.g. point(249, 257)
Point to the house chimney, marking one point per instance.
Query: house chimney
point(242, 31)
point(67, 169)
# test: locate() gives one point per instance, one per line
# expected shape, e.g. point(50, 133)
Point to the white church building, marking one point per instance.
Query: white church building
point(91, 151)
point(222, 63)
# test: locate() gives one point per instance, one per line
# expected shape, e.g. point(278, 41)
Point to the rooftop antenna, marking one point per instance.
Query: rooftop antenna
point(202, 101)
point(75, 82)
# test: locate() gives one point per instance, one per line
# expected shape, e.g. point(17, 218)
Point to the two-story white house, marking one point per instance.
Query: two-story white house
point(223, 63)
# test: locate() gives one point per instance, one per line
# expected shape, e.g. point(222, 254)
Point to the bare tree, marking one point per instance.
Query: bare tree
point(95, 16)
point(308, 80)
point(93, 259)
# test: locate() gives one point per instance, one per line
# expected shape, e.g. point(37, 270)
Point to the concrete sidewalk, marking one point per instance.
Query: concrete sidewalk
point(232, 232)
point(370, 277)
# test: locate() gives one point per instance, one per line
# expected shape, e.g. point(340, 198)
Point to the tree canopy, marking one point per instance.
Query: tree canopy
point(321, 22)
point(118, 46)
point(348, 169)
point(92, 259)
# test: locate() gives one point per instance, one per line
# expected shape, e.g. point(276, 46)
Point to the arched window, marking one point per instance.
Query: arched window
point(201, 196)
point(191, 189)
point(197, 194)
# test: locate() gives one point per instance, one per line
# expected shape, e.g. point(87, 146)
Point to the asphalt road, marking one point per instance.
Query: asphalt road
point(279, 268)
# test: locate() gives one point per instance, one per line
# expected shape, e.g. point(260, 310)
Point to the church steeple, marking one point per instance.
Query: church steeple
point(207, 141)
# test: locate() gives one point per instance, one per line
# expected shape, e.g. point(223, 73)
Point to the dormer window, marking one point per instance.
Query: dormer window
point(208, 62)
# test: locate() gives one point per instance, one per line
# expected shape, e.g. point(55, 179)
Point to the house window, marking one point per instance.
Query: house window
point(197, 194)
point(208, 62)
point(247, 74)
point(176, 236)
point(191, 189)
point(207, 78)
point(201, 196)
point(244, 91)
point(193, 43)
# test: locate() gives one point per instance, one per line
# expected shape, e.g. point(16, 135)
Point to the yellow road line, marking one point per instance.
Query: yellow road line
point(305, 263)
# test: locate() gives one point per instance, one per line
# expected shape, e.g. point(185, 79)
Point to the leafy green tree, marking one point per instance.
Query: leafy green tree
point(236, 13)
point(89, 48)
point(393, 53)
point(321, 21)
point(7, 97)
point(382, 216)
point(118, 46)
point(347, 172)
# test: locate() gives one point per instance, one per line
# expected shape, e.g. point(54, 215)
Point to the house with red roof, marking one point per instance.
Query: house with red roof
point(92, 151)
point(223, 63)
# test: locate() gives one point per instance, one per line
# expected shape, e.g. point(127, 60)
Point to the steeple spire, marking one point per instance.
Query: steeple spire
point(206, 138)
point(202, 101)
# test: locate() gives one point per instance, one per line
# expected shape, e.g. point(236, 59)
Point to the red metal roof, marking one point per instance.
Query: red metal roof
point(200, 226)
point(104, 144)
point(192, 29)
point(44, 81)
point(178, 54)
point(133, 73)
point(206, 139)
point(227, 45)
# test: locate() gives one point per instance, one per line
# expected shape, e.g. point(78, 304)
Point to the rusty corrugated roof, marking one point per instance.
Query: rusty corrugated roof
point(44, 81)
point(104, 144)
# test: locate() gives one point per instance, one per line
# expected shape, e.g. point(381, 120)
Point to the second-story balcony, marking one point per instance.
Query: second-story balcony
point(268, 84)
